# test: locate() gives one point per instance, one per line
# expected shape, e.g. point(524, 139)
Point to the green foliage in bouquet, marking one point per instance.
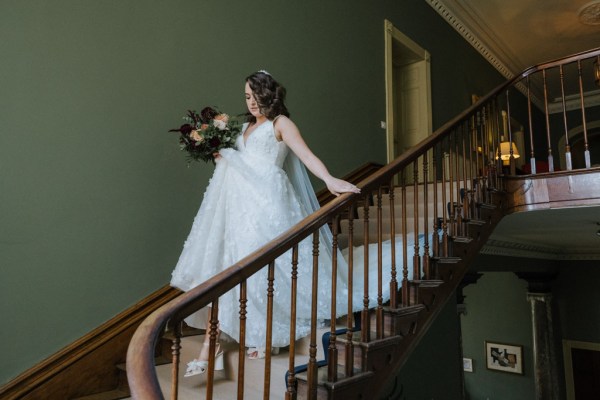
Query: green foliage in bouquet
point(206, 133)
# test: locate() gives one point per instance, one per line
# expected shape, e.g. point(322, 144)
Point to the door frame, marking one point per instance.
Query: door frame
point(394, 36)
point(568, 362)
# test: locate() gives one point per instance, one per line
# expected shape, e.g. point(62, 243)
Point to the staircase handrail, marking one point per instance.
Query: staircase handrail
point(141, 373)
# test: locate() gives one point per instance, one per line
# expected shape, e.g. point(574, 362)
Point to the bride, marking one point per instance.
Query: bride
point(259, 189)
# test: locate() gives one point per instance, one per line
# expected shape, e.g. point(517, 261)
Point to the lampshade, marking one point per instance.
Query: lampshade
point(597, 71)
point(505, 151)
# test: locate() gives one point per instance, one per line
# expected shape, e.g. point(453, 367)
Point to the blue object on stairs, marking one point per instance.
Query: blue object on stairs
point(325, 341)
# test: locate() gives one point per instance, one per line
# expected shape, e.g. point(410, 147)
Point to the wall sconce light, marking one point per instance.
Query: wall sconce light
point(504, 152)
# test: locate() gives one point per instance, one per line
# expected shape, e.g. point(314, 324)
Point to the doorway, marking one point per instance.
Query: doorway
point(582, 369)
point(408, 92)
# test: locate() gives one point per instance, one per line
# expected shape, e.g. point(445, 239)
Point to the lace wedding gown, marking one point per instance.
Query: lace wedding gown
point(249, 201)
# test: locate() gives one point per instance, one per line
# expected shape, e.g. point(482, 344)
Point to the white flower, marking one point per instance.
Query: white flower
point(221, 125)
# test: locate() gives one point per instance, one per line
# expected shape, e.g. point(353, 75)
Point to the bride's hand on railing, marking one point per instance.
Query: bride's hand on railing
point(338, 186)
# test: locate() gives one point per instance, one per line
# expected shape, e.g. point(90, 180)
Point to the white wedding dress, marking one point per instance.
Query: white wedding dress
point(249, 201)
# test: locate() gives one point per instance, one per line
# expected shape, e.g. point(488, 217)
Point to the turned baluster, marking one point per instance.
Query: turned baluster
point(586, 150)
point(549, 141)
point(365, 320)
point(332, 350)
point(405, 288)
point(393, 280)
point(242, 339)
point(416, 249)
point(349, 350)
point(212, 332)
point(291, 378)
point(175, 352)
point(379, 309)
point(426, 261)
point(312, 377)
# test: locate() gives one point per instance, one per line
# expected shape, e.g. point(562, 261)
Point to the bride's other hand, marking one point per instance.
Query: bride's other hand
point(338, 186)
point(217, 156)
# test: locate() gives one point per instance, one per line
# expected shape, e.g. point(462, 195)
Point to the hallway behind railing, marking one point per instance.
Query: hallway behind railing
point(399, 249)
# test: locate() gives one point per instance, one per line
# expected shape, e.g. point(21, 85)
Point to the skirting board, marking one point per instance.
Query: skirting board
point(87, 365)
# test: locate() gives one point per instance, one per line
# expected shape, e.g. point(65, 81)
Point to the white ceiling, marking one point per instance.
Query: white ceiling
point(554, 234)
point(517, 34)
point(514, 35)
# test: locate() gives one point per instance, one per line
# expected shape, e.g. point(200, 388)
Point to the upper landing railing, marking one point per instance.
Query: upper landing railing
point(546, 111)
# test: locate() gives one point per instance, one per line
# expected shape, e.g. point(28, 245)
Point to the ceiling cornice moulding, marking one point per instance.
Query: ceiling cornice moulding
point(472, 28)
point(474, 33)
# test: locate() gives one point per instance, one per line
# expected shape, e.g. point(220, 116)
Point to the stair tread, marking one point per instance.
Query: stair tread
point(429, 282)
point(462, 239)
point(414, 309)
point(447, 260)
point(373, 343)
point(108, 395)
point(341, 376)
point(474, 221)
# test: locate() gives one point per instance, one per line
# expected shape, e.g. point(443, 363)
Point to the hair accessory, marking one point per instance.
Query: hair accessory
point(262, 71)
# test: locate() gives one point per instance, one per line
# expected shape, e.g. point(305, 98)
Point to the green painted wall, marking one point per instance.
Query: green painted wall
point(438, 378)
point(497, 311)
point(576, 298)
point(95, 198)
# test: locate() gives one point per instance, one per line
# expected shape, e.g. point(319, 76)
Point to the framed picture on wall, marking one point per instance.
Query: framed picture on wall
point(504, 357)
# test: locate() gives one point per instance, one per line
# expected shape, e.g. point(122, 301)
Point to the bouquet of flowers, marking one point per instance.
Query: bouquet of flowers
point(206, 133)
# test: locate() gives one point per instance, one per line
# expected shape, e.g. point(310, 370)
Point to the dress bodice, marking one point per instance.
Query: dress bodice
point(263, 144)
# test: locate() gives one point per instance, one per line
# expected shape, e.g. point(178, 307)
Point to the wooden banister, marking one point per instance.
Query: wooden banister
point(466, 171)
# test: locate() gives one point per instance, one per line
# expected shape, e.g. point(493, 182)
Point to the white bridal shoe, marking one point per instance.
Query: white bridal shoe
point(258, 353)
point(197, 367)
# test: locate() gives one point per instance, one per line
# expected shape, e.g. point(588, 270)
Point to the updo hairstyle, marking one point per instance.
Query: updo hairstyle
point(269, 94)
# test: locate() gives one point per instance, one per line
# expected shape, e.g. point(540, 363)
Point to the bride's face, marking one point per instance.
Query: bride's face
point(251, 102)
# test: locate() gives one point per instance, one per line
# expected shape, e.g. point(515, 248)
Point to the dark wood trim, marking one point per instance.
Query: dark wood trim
point(87, 365)
point(553, 190)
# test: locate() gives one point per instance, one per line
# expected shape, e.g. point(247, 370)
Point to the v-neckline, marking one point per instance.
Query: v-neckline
point(245, 138)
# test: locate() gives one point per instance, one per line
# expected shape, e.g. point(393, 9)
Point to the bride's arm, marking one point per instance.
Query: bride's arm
point(287, 131)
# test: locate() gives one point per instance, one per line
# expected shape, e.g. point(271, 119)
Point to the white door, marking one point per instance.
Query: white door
point(408, 93)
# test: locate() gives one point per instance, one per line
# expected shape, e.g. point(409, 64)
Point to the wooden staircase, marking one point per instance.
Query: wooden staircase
point(365, 359)
point(463, 158)
point(375, 360)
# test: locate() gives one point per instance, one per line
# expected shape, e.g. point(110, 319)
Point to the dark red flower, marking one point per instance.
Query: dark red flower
point(194, 116)
point(214, 142)
point(207, 114)
point(185, 129)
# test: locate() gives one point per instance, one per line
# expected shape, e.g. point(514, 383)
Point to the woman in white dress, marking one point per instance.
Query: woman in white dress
point(259, 189)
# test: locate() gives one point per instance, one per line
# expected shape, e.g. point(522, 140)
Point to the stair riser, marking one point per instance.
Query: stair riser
point(355, 389)
point(302, 391)
point(399, 325)
point(358, 358)
point(369, 357)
